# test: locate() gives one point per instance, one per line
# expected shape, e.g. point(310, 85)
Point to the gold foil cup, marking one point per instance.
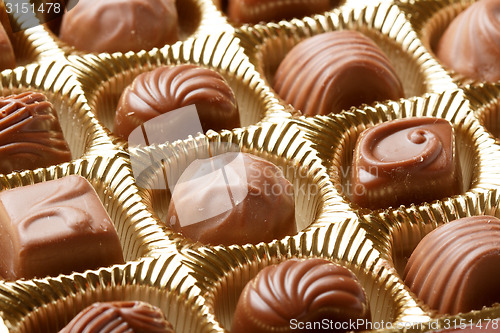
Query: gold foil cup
point(485, 101)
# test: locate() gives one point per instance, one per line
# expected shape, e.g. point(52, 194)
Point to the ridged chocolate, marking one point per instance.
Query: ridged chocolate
point(30, 134)
point(7, 57)
point(456, 268)
point(233, 198)
point(471, 43)
point(301, 291)
point(120, 317)
point(120, 25)
point(334, 71)
point(172, 87)
point(405, 161)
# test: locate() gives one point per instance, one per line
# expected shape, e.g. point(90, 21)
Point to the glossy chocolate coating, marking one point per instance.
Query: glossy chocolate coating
point(172, 87)
point(405, 161)
point(456, 267)
point(120, 317)
point(307, 291)
point(30, 134)
point(333, 71)
point(55, 227)
point(233, 198)
point(120, 25)
point(7, 57)
point(471, 43)
point(255, 11)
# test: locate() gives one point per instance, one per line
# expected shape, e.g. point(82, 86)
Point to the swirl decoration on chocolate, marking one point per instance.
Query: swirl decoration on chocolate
point(31, 136)
point(471, 43)
point(120, 317)
point(172, 87)
point(120, 25)
point(405, 161)
point(456, 267)
point(333, 71)
point(307, 291)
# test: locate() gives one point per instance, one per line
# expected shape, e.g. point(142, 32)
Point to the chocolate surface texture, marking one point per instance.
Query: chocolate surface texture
point(30, 133)
point(120, 25)
point(172, 87)
point(405, 161)
point(233, 198)
point(456, 267)
point(304, 291)
point(55, 227)
point(120, 317)
point(471, 43)
point(334, 71)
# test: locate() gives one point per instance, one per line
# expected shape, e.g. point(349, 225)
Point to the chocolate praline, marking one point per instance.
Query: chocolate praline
point(334, 71)
point(7, 56)
point(295, 295)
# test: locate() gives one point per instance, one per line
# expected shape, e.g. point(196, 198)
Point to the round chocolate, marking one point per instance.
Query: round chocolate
point(7, 57)
point(120, 25)
point(120, 317)
point(233, 198)
point(335, 70)
point(456, 267)
point(471, 43)
point(172, 87)
point(296, 294)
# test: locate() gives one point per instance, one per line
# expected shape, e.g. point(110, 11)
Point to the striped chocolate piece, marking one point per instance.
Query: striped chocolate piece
point(456, 267)
point(296, 293)
point(333, 71)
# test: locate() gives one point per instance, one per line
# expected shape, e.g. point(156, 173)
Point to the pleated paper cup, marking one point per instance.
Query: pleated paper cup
point(485, 101)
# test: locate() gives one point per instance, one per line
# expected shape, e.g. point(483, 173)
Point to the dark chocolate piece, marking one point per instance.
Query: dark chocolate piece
point(120, 25)
point(300, 294)
point(30, 134)
point(233, 198)
point(55, 227)
point(470, 45)
point(7, 57)
point(456, 267)
point(333, 71)
point(172, 87)
point(120, 317)
point(405, 161)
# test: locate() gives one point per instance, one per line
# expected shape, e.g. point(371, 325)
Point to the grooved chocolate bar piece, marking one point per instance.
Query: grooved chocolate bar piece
point(55, 227)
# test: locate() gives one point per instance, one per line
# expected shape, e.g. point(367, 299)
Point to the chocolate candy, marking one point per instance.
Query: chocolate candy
point(30, 134)
point(456, 267)
point(120, 25)
point(298, 294)
point(172, 87)
point(120, 317)
point(333, 71)
point(7, 57)
point(233, 198)
point(255, 11)
point(55, 227)
point(405, 161)
point(470, 44)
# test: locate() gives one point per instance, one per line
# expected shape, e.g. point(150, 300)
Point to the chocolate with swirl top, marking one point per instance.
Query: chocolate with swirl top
point(55, 227)
point(335, 70)
point(456, 267)
point(471, 43)
point(120, 317)
point(405, 161)
point(172, 87)
point(305, 292)
point(30, 134)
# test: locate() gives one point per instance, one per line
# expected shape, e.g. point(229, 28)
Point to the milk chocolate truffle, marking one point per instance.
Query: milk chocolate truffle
point(120, 317)
point(172, 87)
point(335, 70)
point(120, 25)
point(30, 134)
point(55, 227)
point(296, 295)
point(456, 267)
point(405, 161)
point(255, 11)
point(7, 57)
point(471, 43)
point(233, 198)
